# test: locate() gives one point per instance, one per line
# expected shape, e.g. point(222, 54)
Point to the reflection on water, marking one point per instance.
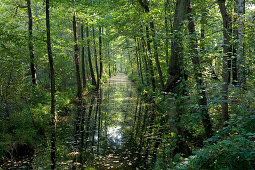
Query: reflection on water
point(112, 129)
point(114, 133)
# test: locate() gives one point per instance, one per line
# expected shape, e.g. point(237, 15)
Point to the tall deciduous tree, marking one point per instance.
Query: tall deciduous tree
point(167, 29)
point(84, 82)
point(202, 99)
point(100, 53)
point(175, 69)
point(53, 90)
point(95, 56)
point(226, 58)
point(30, 43)
point(150, 63)
point(89, 57)
point(76, 57)
point(241, 76)
point(145, 6)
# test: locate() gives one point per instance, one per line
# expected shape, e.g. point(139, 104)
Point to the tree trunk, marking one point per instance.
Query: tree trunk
point(145, 6)
point(100, 53)
point(227, 54)
point(136, 55)
point(150, 64)
point(167, 30)
point(30, 43)
point(176, 61)
point(53, 90)
point(140, 61)
point(83, 58)
point(130, 61)
point(241, 75)
point(89, 57)
point(155, 45)
point(198, 75)
point(108, 52)
point(95, 55)
point(76, 57)
point(145, 60)
point(234, 60)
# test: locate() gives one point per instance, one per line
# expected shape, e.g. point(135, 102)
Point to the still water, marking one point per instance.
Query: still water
point(111, 129)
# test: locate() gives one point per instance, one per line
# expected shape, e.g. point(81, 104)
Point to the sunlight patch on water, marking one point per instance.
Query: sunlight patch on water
point(115, 134)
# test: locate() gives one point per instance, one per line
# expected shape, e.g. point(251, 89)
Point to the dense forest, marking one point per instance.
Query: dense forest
point(127, 84)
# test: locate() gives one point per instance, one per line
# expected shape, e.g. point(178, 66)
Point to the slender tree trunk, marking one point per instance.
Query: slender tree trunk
point(95, 55)
point(108, 52)
point(83, 59)
point(198, 75)
point(167, 30)
point(136, 54)
point(100, 53)
point(76, 57)
point(150, 64)
point(53, 90)
point(241, 75)
point(155, 45)
point(227, 54)
point(130, 61)
point(89, 57)
point(109, 57)
point(140, 61)
point(234, 60)
point(145, 5)
point(30, 43)
point(145, 60)
point(129, 57)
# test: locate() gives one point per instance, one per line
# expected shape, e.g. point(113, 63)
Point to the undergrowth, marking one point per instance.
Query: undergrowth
point(232, 146)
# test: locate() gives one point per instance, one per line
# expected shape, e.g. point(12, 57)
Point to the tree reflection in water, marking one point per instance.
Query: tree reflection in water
point(112, 129)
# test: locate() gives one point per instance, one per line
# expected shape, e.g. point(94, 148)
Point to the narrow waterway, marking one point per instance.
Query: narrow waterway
point(112, 129)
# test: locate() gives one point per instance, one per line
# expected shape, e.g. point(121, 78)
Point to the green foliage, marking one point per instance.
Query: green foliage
point(25, 109)
point(236, 152)
point(17, 131)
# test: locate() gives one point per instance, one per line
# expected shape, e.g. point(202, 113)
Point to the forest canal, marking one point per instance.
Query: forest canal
point(113, 129)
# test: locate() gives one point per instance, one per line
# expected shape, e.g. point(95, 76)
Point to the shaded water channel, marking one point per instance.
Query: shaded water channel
point(112, 129)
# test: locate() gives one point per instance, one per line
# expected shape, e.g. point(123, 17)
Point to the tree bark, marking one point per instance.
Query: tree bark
point(140, 61)
point(89, 57)
point(95, 55)
point(76, 57)
point(83, 65)
point(167, 30)
point(202, 101)
point(136, 55)
point(241, 72)
point(145, 60)
point(150, 64)
point(227, 54)
point(30, 43)
point(145, 6)
point(175, 69)
point(139, 64)
point(155, 45)
point(109, 57)
point(53, 90)
point(100, 53)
